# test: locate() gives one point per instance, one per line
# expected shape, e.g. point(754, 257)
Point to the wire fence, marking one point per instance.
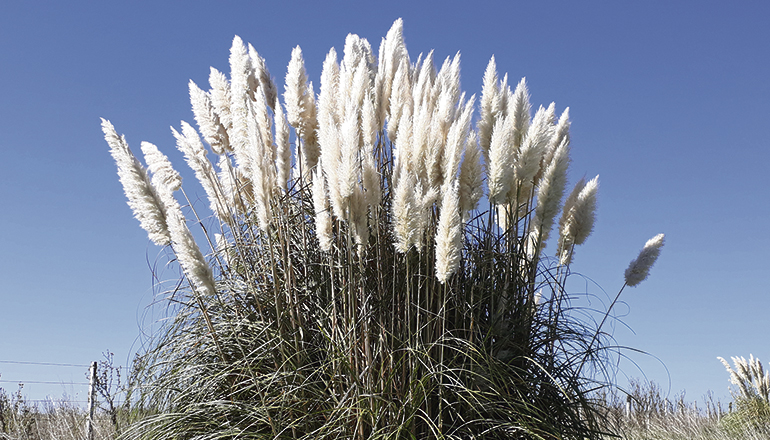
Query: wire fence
point(54, 365)
point(43, 382)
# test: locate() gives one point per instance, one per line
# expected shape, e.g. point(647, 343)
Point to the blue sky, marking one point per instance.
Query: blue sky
point(668, 102)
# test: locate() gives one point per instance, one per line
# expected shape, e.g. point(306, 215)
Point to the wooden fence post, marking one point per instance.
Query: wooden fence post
point(91, 402)
point(628, 406)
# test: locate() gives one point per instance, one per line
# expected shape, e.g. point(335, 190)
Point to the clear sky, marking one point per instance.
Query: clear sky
point(668, 100)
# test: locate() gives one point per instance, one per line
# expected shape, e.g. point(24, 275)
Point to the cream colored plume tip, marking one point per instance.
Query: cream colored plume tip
point(639, 268)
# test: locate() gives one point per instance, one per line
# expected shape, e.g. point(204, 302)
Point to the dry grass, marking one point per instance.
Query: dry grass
point(50, 420)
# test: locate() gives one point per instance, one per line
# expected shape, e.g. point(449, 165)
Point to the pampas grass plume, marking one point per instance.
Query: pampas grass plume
point(449, 236)
point(639, 268)
point(321, 206)
point(142, 195)
point(500, 166)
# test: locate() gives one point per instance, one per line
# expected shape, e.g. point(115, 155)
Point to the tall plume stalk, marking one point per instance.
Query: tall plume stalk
point(395, 285)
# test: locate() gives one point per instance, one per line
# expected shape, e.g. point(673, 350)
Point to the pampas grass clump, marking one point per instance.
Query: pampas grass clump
point(385, 279)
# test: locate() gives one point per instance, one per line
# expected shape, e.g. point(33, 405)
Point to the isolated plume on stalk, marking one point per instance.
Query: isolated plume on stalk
point(639, 268)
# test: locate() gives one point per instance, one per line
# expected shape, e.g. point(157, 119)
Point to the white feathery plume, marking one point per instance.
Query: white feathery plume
point(585, 211)
point(558, 133)
point(299, 100)
point(310, 151)
point(161, 217)
point(392, 51)
point(424, 82)
point(349, 165)
point(578, 219)
point(549, 147)
point(329, 137)
point(489, 92)
point(358, 87)
point(235, 188)
point(500, 166)
point(283, 147)
point(434, 152)
point(519, 108)
point(189, 254)
point(570, 202)
point(737, 378)
point(143, 199)
point(240, 67)
point(456, 143)
point(449, 235)
point(208, 120)
point(295, 89)
point(403, 148)
point(220, 99)
point(368, 125)
point(400, 97)
point(502, 216)
point(404, 211)
point(259, 112)
point(323, 219)
point(189, 143)
point(309, 115)
point(371, 181)
point(527, 161)
point(359, 218)
point(163, 173)
point(421, 133)
point(380, 99)
point(262, 76)
point(440, 122)
point(471, 176)
point(447, 84)
point(639, 268)
point(166, 180)
point(239, 98)
point(449, 81)
point(540, 133)
point(370, 176)
point(549, 194)
point(500, 103)
point(262, 169)
point(561, 131)
point(327, 98)
point(425, 198)
point(355, 72)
